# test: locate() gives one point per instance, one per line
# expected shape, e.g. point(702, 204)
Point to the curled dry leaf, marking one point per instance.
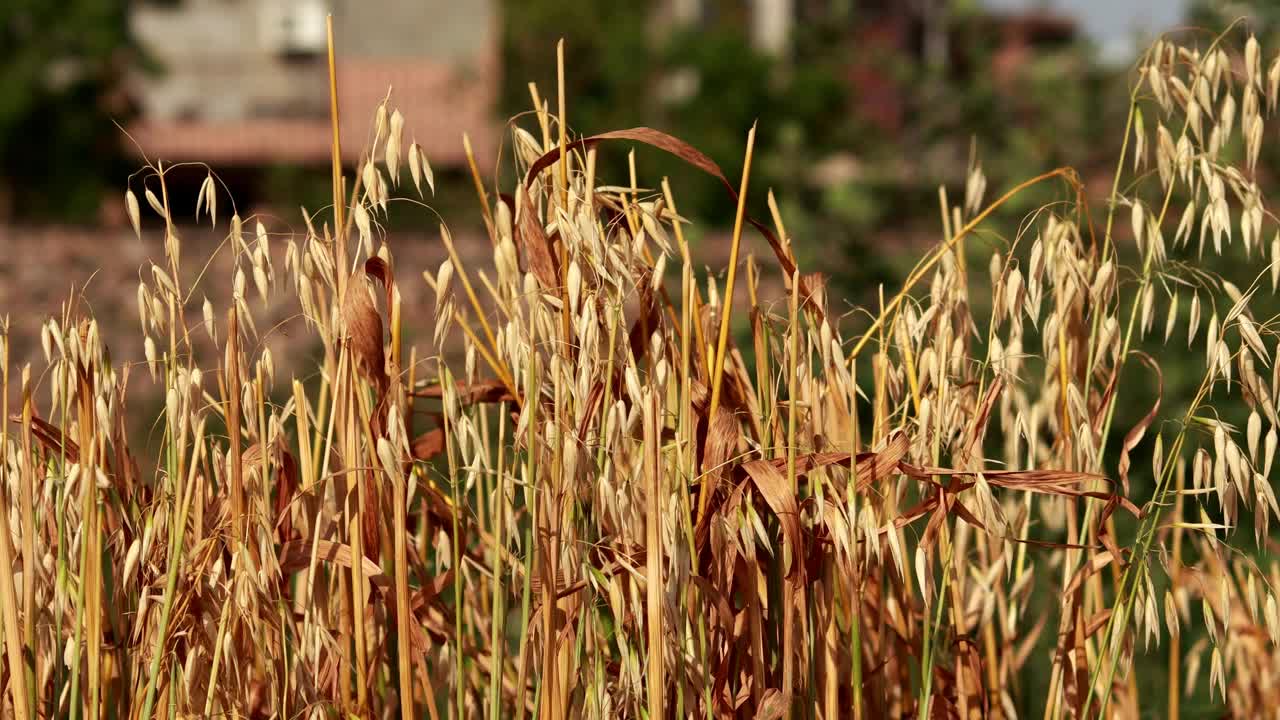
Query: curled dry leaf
point(781, 499)
point(428, 444)
point(721, 444)
point(362, 330)
point(295, 555)
point(489, 390)
point(55, 440)
point(535, 246)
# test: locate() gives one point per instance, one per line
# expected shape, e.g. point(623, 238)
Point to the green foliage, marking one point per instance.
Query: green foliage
point(707, 82)
point(59, 86)
point(798, 106)
point(606, 70)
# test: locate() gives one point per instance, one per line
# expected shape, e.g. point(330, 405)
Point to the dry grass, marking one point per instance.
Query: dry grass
point(605, 509)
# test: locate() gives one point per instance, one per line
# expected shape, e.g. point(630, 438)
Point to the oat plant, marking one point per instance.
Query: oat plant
point(592, 479)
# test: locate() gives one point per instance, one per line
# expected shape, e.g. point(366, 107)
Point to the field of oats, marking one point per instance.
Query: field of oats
point(599, 481)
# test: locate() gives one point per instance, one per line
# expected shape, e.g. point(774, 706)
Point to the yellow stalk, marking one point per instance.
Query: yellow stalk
point(232, 371)
point(793, 409)
point(726, 303)
point(355, 525)
point(339, 239)
point(91, 588)
point(541, 110)
point(855, 597)
point(653, 554)
point(401, 551)
point(562, 182)
point(589, 188)
point(8, 593)
point(479, 185)
point(29, 567)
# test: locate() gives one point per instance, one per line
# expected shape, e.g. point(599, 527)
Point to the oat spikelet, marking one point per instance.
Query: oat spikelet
point(131, 209)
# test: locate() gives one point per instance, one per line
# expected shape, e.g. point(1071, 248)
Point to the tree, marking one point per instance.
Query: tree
point(607, 58)
point(60, 91)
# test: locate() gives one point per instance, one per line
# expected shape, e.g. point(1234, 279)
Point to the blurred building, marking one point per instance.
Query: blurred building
point(243, 84)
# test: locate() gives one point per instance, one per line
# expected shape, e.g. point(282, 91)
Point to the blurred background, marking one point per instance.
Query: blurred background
point(865, 106)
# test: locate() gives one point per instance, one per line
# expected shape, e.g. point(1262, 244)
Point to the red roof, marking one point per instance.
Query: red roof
point(439, 103)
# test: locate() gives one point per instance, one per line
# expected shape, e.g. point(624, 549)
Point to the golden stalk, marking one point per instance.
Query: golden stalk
point(793, 409)
point(653, 554)
point(339, 239)
point(26, 499)
point(8, 594)
point(726, 303)
point(400, 535)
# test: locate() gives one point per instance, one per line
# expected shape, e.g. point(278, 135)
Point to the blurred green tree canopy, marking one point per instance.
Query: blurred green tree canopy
point(60, 94)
